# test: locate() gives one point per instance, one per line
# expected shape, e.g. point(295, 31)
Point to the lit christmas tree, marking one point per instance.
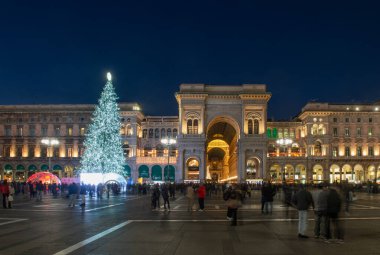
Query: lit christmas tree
point(103, 148)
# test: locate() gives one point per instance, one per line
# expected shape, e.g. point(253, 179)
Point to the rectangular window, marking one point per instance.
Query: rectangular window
point(70, 131)
point(347, 120)
point(358, 132)
point(20, 131)
point(82, 131)
point(370, 151)
point(57, 131)
point(335, 120)
point(346, 131)
point(347, 151)
point(335, 152)
point(370, 131)
point(335, 132)
point(32, 130)
point(8, 131)
point(359, 151)
point(44, 130)
point(19, 150)
point(370, 120)
point(359, 119)
point(31, 151)
point(69, 153)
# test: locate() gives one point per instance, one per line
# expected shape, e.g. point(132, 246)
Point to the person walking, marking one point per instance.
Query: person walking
point(233, 199)
point(83, 192)
point(39, 189)
point(156, 198)
point(11, 195)
point(201, 197)
point(302, 201)
point(268, 192)
point(190, 195)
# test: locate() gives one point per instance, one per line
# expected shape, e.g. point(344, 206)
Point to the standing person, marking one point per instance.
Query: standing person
point(302, 200)
point(5, 192)
point(334, 205)
point(190, 195)
point(165, 196)
point(156, 198)
point(39, 189)
point(321, 227)
point(82, 193)
point(268, 192)
point(201, 197)
point(73, 191)
point(11, 195)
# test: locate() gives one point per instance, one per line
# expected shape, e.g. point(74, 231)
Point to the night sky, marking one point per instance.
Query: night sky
point(60, 51)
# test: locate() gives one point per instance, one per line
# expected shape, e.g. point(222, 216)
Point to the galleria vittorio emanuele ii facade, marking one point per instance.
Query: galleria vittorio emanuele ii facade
point(221, 134)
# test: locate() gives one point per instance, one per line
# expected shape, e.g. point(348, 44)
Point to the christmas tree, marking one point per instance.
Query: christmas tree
point(103, 148)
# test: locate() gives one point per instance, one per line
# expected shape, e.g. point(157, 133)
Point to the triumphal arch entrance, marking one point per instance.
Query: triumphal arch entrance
point(222, 132)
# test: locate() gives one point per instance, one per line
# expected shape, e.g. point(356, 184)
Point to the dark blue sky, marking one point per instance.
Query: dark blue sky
point(53, 52)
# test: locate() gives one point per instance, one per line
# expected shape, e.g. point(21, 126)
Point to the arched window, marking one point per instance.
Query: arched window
point(151, 133)
point(175, 133)
point(250, 127)
point(144, 133)
point(156, 133)
point(318, 149)
point(159, 150)
point(163, 132)
point(189, 126)
point(256, 127)
point(126, 150)
point(122, 130)
point(169, 132)
point(129, 130)
point(195, 126)
point(321, 129)
point(314, 129)
point(192, 126)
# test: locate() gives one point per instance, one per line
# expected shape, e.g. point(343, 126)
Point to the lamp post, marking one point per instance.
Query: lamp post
point(284, 142)
point(50, 142)
point(168, 141)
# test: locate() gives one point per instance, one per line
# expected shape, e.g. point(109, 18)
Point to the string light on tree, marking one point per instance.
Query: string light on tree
point(103, 147)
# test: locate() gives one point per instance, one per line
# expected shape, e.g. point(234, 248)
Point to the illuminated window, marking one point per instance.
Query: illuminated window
point(335, 151)
point(250, 127)
point(370, 131)
point(346, 131)
point(347, 151)
point(70, 131)
point(192, 126)
point(82, 131)
point(69, 152)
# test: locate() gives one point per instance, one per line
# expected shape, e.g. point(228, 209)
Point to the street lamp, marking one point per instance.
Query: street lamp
point(168, 141)
point(50, 142)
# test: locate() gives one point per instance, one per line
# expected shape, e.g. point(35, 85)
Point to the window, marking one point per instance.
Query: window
point(69, 152)
point(358, 132)
point(55, 152)
point(314, 129)
point(70, 131)
point(169, 132)
point(192, 126)
point(359, 151)
point(31, 151)
point(370, 120)
point(122, 130)
point(250, 127)
point(335, 151)
point(359, 120)
point(335, 120)
point(7, 151)
point(175, 133)
point(32, 130)
point(159, 150)
point(370, 151)
point(163, 131)
point(8, 131)
point(256, 127)
point(156, 133)
point(82, 131)
point(318, 149)
point(126, 150)
point(81, 151)
point(19, 150)
point(129, 130)
point(44, 152)
point(335, 132)
point(347, 120)
point(347, 151)
point(286, 133)
point(44, 130)
point(57, 131)
point(20, 131)
point(144, 133)
point(346, 131)
point(370, 131)
point(291, 133)
point(151, 133)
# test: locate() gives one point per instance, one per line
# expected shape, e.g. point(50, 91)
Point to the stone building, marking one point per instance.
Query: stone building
point(221, 133)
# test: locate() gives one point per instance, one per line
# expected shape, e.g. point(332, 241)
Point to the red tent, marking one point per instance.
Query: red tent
point(45, 177)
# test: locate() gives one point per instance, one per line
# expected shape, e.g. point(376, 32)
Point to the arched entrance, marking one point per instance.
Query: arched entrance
point(347, 173)
point(334, 173)
point(317, 173)
point(192, 169)
point(289, 173)
point(358, 173)
point(300, 175)
point(221, 157)
point(275, 173)
point(252, 169)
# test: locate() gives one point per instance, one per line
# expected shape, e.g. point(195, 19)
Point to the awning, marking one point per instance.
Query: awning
point(156, 173)
point(127, 171)
point(44, 167)
point(169, 175)
point(57, 167)
point(20, 168)
point(143, 171)
point(32, 168)
point(8, 167)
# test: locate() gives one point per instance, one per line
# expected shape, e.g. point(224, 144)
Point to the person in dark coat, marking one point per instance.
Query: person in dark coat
point(165, 196)
point(334, 205)
point(233, 199)
point(268, 192)
point(156, 197)
point(302, 201)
